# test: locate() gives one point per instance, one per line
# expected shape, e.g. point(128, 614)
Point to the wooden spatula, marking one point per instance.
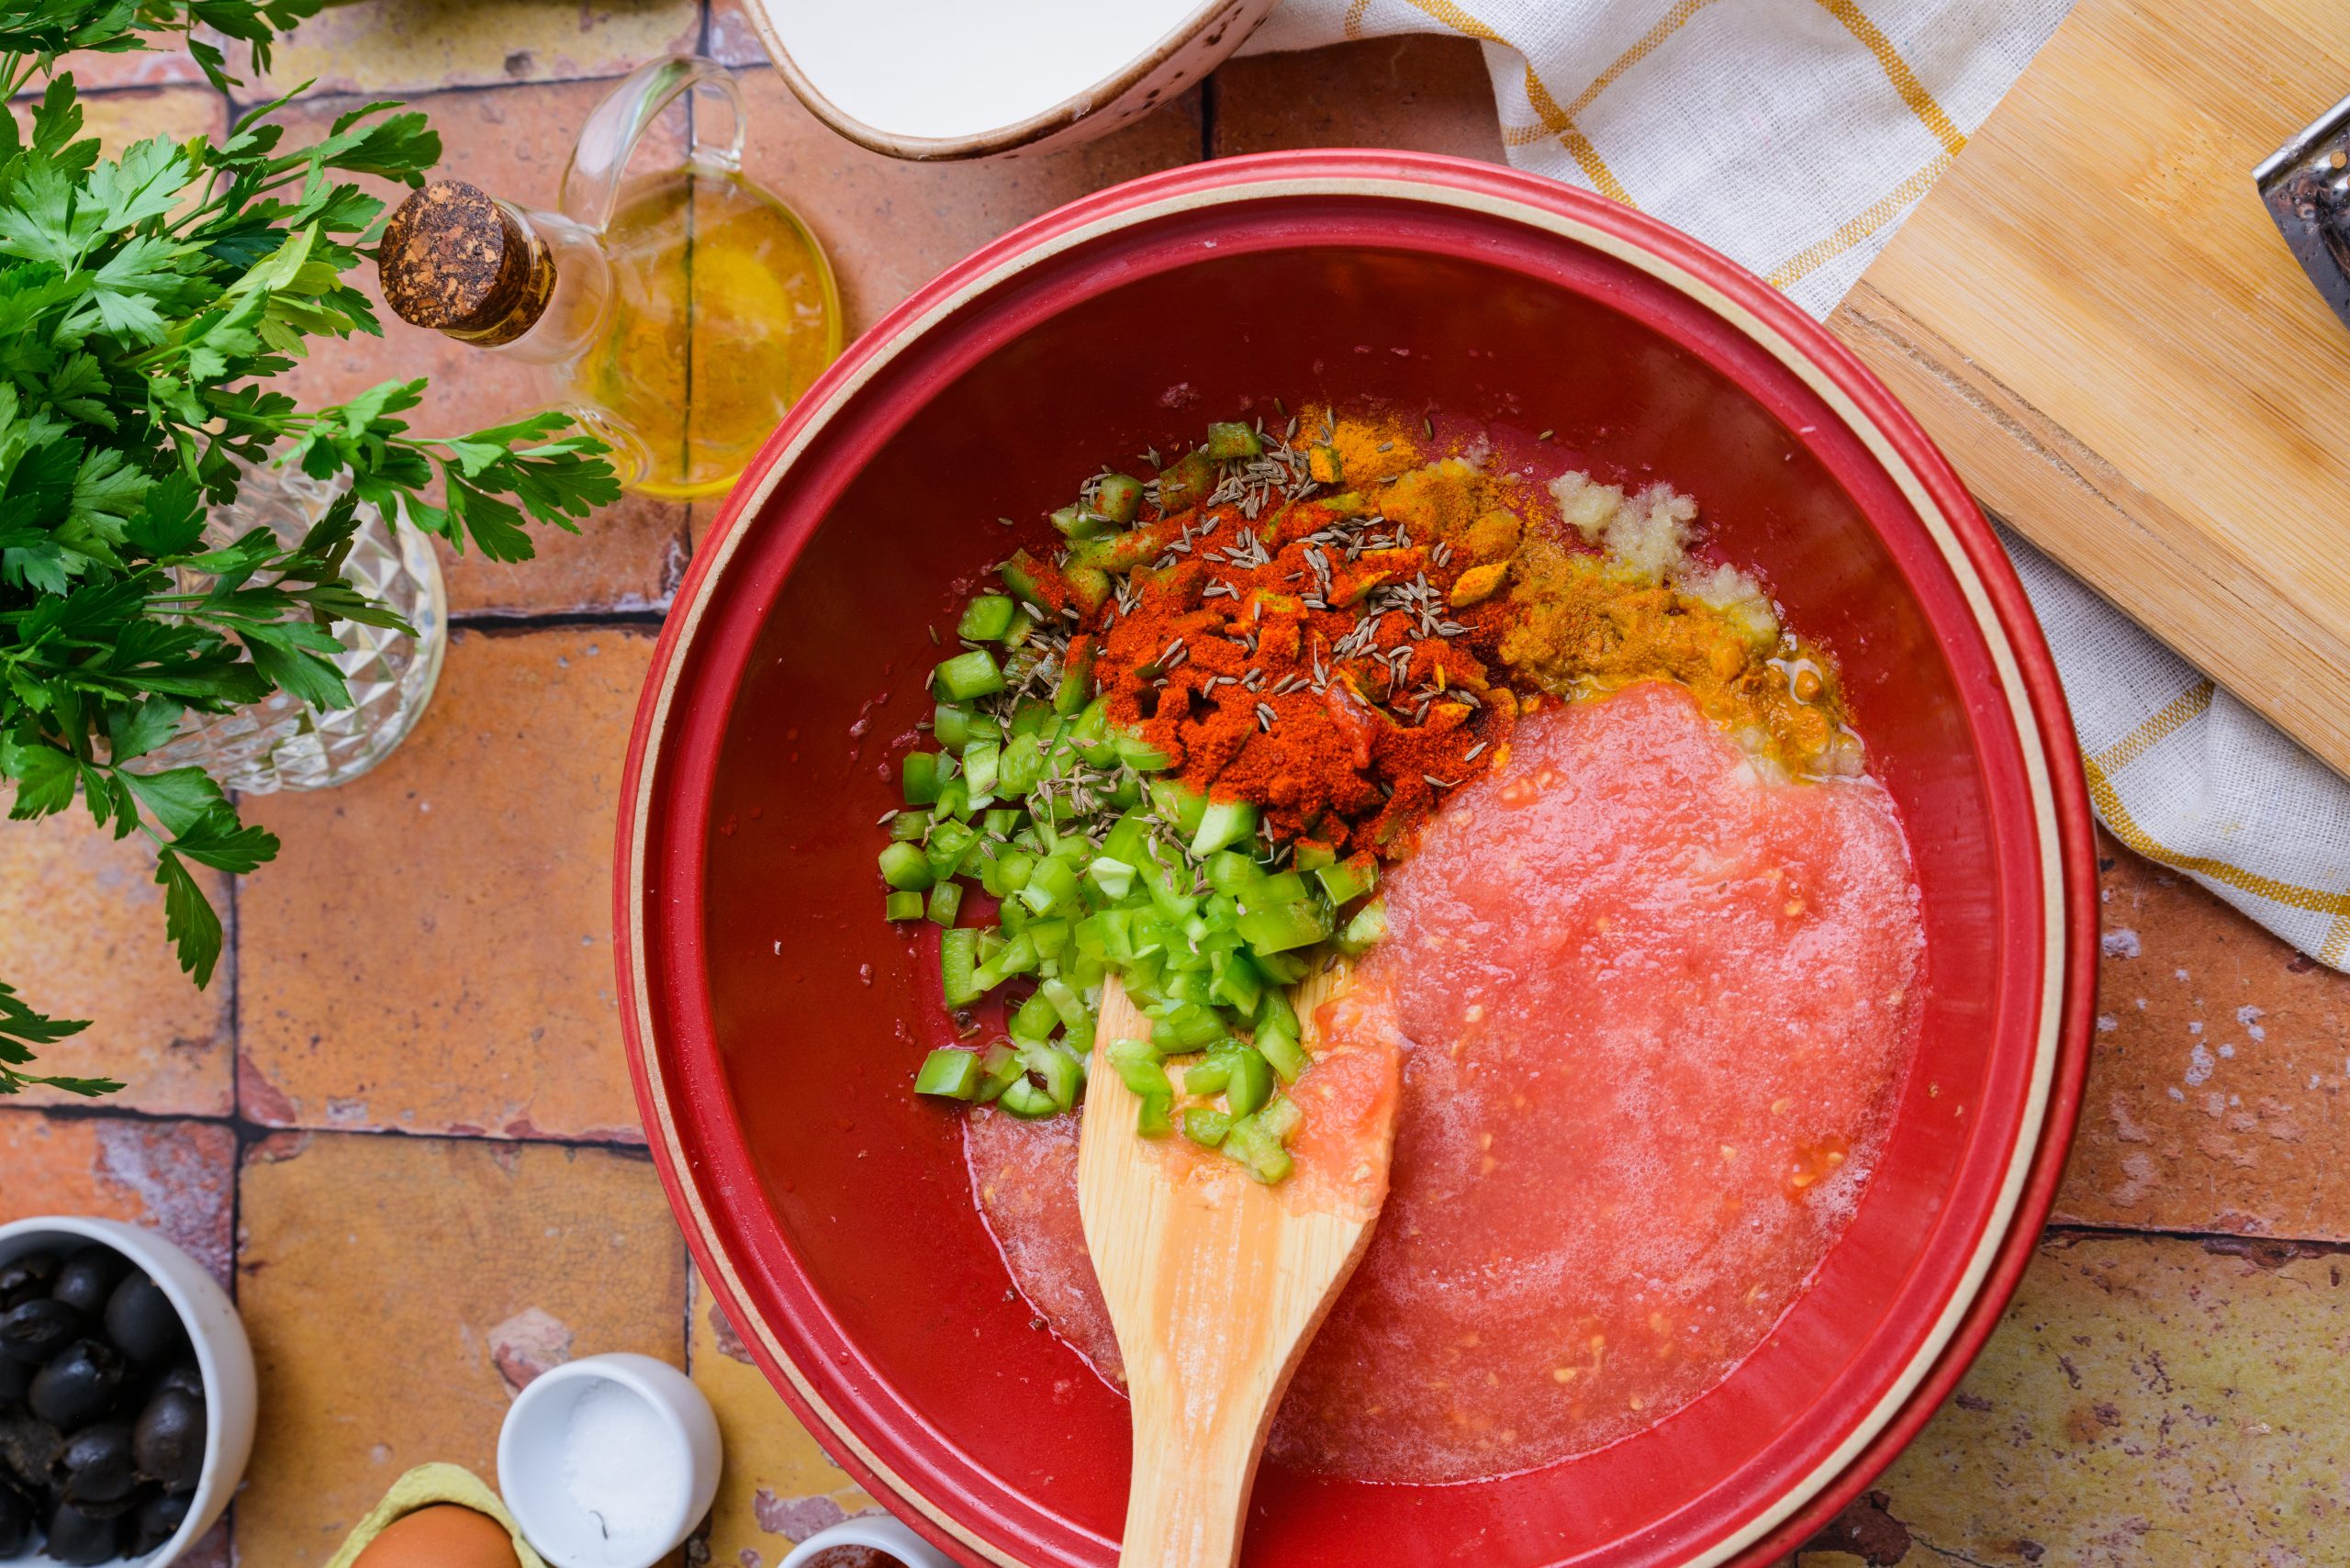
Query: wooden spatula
point(1215, 1283)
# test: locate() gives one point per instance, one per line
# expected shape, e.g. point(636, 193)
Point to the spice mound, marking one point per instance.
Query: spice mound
point(1180, 746)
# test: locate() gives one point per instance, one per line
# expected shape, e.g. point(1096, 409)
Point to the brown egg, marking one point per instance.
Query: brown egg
point(443, 1536)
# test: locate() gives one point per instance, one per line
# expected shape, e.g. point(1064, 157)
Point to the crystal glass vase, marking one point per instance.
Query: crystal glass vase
point(282, 743)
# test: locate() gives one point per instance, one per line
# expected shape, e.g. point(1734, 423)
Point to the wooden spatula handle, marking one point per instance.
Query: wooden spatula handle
point(1189, 1493)
point(1214, 1285)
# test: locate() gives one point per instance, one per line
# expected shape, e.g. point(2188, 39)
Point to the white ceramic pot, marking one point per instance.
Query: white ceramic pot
point(932, 79)
point(878, 1531)
point(223, 1355)
point(532, 1472)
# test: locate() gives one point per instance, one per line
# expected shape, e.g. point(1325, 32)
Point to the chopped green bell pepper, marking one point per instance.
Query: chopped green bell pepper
point(950, 1074)
point(1283, 926)
point(1251, 1082)
point(968, 675)
point(958, 957)
point(1205, 1126)
point(1230, 440)
point(1035, 1018)
point(1020, 575)
point(1025, 1099)
point(1118, 498)
point(1281, 1050)
point(1208, 1077)
point(987, 618)
point(1366, 928)
point(904, 867)
point(1076, 688)
point(921, 775)
point(980, 760)
point(949, 841)
point(1222, 824)
point(1350, 878)
point(1077, 522)
point(999, 1067)
point(1186, 482)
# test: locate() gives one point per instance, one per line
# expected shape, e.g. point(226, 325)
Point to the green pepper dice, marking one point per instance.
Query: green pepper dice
point(1227, 442)
point(1096, 861)
point(987, 618)
point(968, 675)
point(951, 1074)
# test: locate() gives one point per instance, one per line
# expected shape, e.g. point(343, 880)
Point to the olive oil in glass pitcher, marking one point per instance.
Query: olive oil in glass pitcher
point(676, 312)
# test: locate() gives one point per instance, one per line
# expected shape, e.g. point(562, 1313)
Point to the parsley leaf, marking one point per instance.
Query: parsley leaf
point(146, 302)
point(21, 1028)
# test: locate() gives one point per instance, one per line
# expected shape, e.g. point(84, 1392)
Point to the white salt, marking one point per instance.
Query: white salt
point(619, 1465)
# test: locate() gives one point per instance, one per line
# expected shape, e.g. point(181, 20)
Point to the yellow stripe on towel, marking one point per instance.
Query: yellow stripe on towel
point(1811, 258)
point(2184, 709)
point(1896, 71)
point(2123, 826)
point(1669, 23)
point(1556, 121)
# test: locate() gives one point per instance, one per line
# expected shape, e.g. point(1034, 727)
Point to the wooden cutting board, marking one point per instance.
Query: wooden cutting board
point(2095, 317)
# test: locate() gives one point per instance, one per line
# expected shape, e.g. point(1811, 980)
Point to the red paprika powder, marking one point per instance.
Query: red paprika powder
point(1309, 661)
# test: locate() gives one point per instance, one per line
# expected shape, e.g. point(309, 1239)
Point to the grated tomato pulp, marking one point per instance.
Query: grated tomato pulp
point(1656, 1002)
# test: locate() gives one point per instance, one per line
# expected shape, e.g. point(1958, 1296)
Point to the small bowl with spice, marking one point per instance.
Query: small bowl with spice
point(609, 1461)
point(875, 1541)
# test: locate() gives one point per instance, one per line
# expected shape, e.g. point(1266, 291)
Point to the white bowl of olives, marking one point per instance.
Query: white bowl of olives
point(125, 1396)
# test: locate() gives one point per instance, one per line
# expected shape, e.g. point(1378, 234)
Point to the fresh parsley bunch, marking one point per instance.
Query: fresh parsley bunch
point(145, 302)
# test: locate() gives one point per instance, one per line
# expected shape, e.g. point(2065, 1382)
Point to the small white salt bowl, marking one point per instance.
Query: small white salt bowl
point(878, 1531)
point(223, 1357)
point(609, 1461)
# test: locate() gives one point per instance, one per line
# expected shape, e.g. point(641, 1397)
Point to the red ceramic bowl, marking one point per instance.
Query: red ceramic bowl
point(773, 1019)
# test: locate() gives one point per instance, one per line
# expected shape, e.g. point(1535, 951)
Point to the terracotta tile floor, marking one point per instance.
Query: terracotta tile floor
point(432, 956)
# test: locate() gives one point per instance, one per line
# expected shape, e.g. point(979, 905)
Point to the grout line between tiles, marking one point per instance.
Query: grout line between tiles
point(2209, 1241)
point(496, 622)
point(414, 96)
point(251, 1132)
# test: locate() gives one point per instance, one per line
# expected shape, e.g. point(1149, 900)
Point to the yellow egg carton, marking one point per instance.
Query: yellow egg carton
point(421, 1489)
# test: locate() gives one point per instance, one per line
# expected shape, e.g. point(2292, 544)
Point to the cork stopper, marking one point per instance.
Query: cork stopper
point(455, 261)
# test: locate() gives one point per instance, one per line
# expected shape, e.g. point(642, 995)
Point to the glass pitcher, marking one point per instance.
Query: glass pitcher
point(676, 313)
point(282, 742)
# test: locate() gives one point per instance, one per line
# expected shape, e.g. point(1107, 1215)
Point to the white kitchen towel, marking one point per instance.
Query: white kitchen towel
point(1794, 134)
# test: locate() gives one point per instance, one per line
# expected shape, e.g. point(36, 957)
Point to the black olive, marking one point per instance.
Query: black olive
point(15, 1379)
point(27, 1275)
point(157, 1520)
point(76, 1537)
point(78, 1386)
point(15, 1522)
point(113, 1509)
point(89, 1277)
point(184, 1377)
point(142, 1322)
point(28, 1447)
point(168, 1441)
point(32, 1331)
point(96, 1464)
